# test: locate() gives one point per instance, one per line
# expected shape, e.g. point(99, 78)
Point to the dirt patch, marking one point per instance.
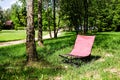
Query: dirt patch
point(108, 55)
point(93, 74)
point(57, 78)
point(105, 56)
point(101, 60)
point(113, 71)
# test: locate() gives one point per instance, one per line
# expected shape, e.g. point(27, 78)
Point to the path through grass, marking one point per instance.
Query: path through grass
point(11, 35)
point(104, 63)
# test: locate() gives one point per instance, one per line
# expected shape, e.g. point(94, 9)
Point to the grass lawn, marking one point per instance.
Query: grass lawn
point(103, 65)
point(10, 35)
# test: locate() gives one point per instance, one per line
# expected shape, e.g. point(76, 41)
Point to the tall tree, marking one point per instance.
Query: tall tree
point(54, 19)
point(1, 18)
point(18, 14)
point(85, 16)
point(73, 11)
point(30, 39)
point(48, 16)
point(15, 15)
point(40, 41)
point(23, 13)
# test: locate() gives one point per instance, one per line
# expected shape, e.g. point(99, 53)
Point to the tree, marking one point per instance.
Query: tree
point(30, 39)
point(51, 16)
point(40, 41)
point(4, 16)
point(48, 15)
point(1, 18)
point(15, 15)
point(54, 19)
point(73, 11)
point(85, 16)
point(108, 12)
point(58, 16)
point(18, 14)
point(23, 13)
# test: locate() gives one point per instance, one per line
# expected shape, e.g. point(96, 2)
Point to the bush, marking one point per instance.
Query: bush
point(21, 28)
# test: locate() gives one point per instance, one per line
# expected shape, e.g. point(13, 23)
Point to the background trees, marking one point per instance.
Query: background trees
point(1, 18)
point(103, 15)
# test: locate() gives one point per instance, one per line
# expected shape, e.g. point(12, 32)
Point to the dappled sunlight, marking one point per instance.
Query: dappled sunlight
point(51, 66)
point(91, 75)
point(115, 71)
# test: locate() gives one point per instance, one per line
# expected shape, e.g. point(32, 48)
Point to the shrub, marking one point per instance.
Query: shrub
point(21, 28)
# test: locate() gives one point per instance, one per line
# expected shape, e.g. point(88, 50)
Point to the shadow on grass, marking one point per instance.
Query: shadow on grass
point(53, 45)
point(106, 41)
point(13, 65)
point(60, 43)
point(80, 61)
point(12, 58)
point(18, 70)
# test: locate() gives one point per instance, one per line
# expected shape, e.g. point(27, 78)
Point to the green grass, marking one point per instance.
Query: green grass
point(103, 65)
point(11, 35)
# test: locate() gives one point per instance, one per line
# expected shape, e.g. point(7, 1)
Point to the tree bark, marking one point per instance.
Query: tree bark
point(40, 40)
point(58, 24)
point(86, 16)
point(49, 26)
point(48, 18)
point(54, 19)
point(30, 38)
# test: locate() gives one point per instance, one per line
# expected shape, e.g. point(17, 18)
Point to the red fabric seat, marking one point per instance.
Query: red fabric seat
point(83, 46)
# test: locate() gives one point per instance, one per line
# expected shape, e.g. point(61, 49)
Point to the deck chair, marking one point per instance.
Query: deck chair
point(82, 47)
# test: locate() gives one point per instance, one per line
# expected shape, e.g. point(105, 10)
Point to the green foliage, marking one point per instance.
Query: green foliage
point(18, 15)
point(103, 14)
point(21, 28)
point(1, 18)
point(72, 10)
point(47, 18)
point(107, 15)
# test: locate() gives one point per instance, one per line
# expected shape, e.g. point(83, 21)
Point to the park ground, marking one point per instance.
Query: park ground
point(103, 65)
point(13, 37)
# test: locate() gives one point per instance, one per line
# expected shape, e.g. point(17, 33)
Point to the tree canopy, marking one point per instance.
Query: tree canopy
point(103, 15)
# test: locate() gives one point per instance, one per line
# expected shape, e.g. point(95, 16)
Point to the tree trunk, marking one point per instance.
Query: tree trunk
point(40, 41)
point(54, 19)
point(86, 16)
point(49, 26)
point(58, 24)
point(30, 38)
point(48, 18)
point(75, 23)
